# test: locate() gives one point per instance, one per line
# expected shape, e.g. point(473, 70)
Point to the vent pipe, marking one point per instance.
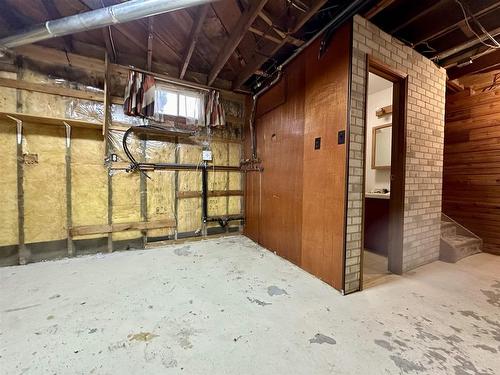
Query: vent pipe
point(98, 18)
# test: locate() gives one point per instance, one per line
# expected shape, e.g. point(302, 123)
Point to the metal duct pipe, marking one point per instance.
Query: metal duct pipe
point(94, 19)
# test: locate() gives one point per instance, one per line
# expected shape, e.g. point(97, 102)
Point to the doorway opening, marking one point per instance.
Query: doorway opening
point(385, 153)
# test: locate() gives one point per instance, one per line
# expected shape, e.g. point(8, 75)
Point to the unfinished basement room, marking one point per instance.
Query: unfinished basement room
point(250, 187)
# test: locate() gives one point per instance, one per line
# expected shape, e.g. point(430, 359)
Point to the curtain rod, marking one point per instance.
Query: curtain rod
point(173, 80)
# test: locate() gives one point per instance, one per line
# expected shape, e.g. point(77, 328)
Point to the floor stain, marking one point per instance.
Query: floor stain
point(273, 290)
point(258, 301)
point(319, 338)
point(469, 313)
point(384, 344)
point(493, 297)
point(405, 365)
point(184, 338)
point(50, 317)
point(55, 296)
point(486, 347)
point(141, 336)
point(183, 251)
point(22, 308)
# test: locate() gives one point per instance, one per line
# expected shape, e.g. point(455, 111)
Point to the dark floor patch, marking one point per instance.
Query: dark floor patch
point(384, 344)
point(434, 354)
point(50, 317)
point(258, 302)
point(55, 296)
point(485, 347)
point(469, 313)
point(400, 343)
point(405, 365)
point(467, 367)
point(183, 251)
point(93, 330)
point(457, 330)
point(273, 290)
point(493, 297)
point(319, 338)
point(22, 308)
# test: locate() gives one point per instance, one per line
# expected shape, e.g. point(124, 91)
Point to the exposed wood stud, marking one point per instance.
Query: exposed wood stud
point(69, 210)
point(107, 146)
point(176, 192)
point(246, 20)
point(193, 38)
point(143, 188)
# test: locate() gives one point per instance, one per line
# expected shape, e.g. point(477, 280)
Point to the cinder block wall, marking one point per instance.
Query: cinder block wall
point(424, 145)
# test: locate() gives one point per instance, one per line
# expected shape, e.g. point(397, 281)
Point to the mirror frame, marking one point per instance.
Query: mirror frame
point(374, 145)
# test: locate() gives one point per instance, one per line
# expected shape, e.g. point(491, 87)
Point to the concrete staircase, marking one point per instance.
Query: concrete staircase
point(457, 242)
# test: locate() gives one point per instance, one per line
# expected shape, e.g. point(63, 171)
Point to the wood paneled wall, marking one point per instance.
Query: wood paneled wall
point(296, 205)
point(471, 176)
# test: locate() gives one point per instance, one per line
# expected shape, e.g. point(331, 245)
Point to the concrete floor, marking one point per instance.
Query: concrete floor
point(227, 306)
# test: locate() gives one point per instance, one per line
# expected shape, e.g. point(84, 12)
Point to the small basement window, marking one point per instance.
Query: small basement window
point(179, 103)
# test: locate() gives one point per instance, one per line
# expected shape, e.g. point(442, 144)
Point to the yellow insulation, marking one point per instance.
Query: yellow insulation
point(8, 186)
point(89, 182)
point(8, 101)
point(189, 210)
point(126, 203)
point(45, 183)
point(161, 186)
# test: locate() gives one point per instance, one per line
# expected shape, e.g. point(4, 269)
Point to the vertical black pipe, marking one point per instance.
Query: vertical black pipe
point(204, 191)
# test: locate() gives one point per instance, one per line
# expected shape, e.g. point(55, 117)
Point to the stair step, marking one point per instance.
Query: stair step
point(455, 247)
point(448, 228)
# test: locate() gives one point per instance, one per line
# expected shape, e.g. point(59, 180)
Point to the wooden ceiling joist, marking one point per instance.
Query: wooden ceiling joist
point(419, 15)
point(248, 17)
point(260, 59)
point(378, 8)
point(193, 38)
point(438, 31)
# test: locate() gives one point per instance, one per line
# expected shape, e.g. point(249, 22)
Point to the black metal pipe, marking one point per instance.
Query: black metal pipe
point(204, 191)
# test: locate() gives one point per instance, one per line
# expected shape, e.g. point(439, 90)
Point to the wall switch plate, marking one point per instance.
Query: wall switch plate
point(317, 143)
point(341, 137)
point(206, 155)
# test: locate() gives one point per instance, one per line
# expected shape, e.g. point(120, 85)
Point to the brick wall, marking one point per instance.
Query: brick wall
point(424, 145)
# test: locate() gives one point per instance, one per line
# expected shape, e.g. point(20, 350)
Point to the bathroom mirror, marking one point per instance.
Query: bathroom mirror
point(381, 146)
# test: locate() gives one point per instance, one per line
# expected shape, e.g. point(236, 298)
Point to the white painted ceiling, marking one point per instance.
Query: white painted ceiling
point(376, 83)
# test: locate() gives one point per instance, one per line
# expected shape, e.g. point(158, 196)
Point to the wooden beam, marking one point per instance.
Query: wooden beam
point(378, 8)
point(50, 89)
point(483, 63)
point(443, 31)
point(93, 65)
point(425, 12)
point(213, 193)
point(246, 20)
point(259, 59)
point(193, 38)
point(53, 13)
point(149, 59)
point(288, 38)
point(84, 230)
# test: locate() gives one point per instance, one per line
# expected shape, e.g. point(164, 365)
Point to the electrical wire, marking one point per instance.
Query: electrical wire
point(480, 38)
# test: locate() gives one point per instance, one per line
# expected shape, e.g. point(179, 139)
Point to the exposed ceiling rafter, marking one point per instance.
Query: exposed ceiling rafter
point(248, 17)
point(193, 38)
point(260, 59)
